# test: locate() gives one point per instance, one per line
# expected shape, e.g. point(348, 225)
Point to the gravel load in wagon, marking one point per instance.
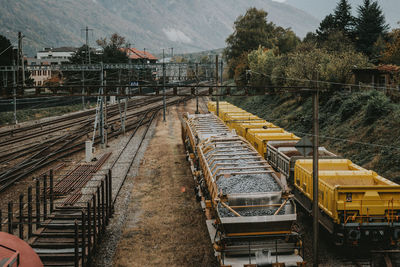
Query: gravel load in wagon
point(247, 183)
point(238, 162)
point(248, 212)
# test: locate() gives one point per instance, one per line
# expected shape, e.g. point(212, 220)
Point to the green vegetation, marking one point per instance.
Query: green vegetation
point(364, 117)
point(35, 114)
point(253, 31)
point(360, 125)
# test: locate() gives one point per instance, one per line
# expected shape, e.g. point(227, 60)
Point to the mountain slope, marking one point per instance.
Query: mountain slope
point(186, 25)
point(321, 8)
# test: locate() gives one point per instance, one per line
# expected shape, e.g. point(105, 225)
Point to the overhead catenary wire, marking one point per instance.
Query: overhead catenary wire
point(325, 82)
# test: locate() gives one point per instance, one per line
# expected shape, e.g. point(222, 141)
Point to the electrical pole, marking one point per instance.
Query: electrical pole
point(105, 110)
point(222, 71)
point(83, 89)
point(21, 57)
point(15, 95)
point(315, 209)
point(88, 60)
point(163, 66)
point(216, 82)
point(102, 107)
point(197, 97)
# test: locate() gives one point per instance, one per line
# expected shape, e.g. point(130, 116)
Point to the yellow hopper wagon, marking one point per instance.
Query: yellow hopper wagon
point(356, 204)
point(242, 127)
point(249, 210)
point(212, 105)
point(260, 140)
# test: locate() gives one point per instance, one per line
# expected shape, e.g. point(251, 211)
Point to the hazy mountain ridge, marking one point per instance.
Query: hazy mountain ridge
point(321, 8)
point(154, 24)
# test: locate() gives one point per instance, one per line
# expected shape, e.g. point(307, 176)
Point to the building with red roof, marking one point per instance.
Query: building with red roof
point(138, 56)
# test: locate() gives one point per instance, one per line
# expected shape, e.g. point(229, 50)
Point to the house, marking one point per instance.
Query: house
point(382, 76)
point(49, 56)
point(138, 56)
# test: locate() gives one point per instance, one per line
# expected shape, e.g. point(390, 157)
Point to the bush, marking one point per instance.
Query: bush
point(378, 105)
point(350, 106)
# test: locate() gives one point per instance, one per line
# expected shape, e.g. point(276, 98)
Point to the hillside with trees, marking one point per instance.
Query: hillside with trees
point(188, 26)
point(361, 125)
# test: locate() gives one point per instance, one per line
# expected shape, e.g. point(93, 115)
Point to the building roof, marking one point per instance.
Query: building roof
point(134, 53)
point(378, 69)
point(60, 49)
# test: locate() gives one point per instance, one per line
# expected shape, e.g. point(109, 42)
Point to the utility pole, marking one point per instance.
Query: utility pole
point(83, 89)
point(163, 66)
point(216, 82)
point(222, 71)
point(18, 57)
point(315, 209)
point(21, 57)
point(197, 97)
point(172, 52)
point(14, 95)
point(88, 61)
point(102, 107)
point(105, 109)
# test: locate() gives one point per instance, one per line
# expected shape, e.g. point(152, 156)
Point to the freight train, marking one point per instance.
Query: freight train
point(357, 206)
point(250, 212)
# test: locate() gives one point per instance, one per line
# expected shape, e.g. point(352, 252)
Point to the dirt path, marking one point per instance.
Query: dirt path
point(165, 224)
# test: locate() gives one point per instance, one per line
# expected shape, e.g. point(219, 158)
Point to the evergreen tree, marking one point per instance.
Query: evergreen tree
point(326, 27)
point(370, 25)
point(6, 51)
point(344, 21)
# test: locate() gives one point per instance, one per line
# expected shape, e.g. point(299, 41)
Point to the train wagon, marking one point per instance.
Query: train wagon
point(260, 140)
point(249, 211)
point(356, 204)
point(242, 127)
point(282, 155)
point(212, 105)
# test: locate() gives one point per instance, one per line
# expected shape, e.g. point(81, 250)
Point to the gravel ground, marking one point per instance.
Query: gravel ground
point(131, 212)
point(114, 230)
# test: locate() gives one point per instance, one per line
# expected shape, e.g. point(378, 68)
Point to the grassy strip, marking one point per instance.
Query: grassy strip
point(35, 114)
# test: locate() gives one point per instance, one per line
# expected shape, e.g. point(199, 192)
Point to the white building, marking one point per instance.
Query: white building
point(49, 56)
point(59, 55)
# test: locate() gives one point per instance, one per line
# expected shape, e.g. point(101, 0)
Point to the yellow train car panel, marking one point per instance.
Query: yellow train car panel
point(212, 105)
point(242, 127)
point(259, 140)
point(349, 193)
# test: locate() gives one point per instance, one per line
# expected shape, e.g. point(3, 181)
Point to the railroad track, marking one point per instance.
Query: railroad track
point(41, 155)
point(9, 152)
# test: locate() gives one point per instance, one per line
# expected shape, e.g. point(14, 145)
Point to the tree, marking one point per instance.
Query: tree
point(370, 24)
point(113, 49)
point(344, 21)
point(7, 51)
point(261, 63)
point(287, 41)
point(326, 27)
point(331, 66)
point(251, 31)
point(5, 59)
point(391, 54)
point(80, 56)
